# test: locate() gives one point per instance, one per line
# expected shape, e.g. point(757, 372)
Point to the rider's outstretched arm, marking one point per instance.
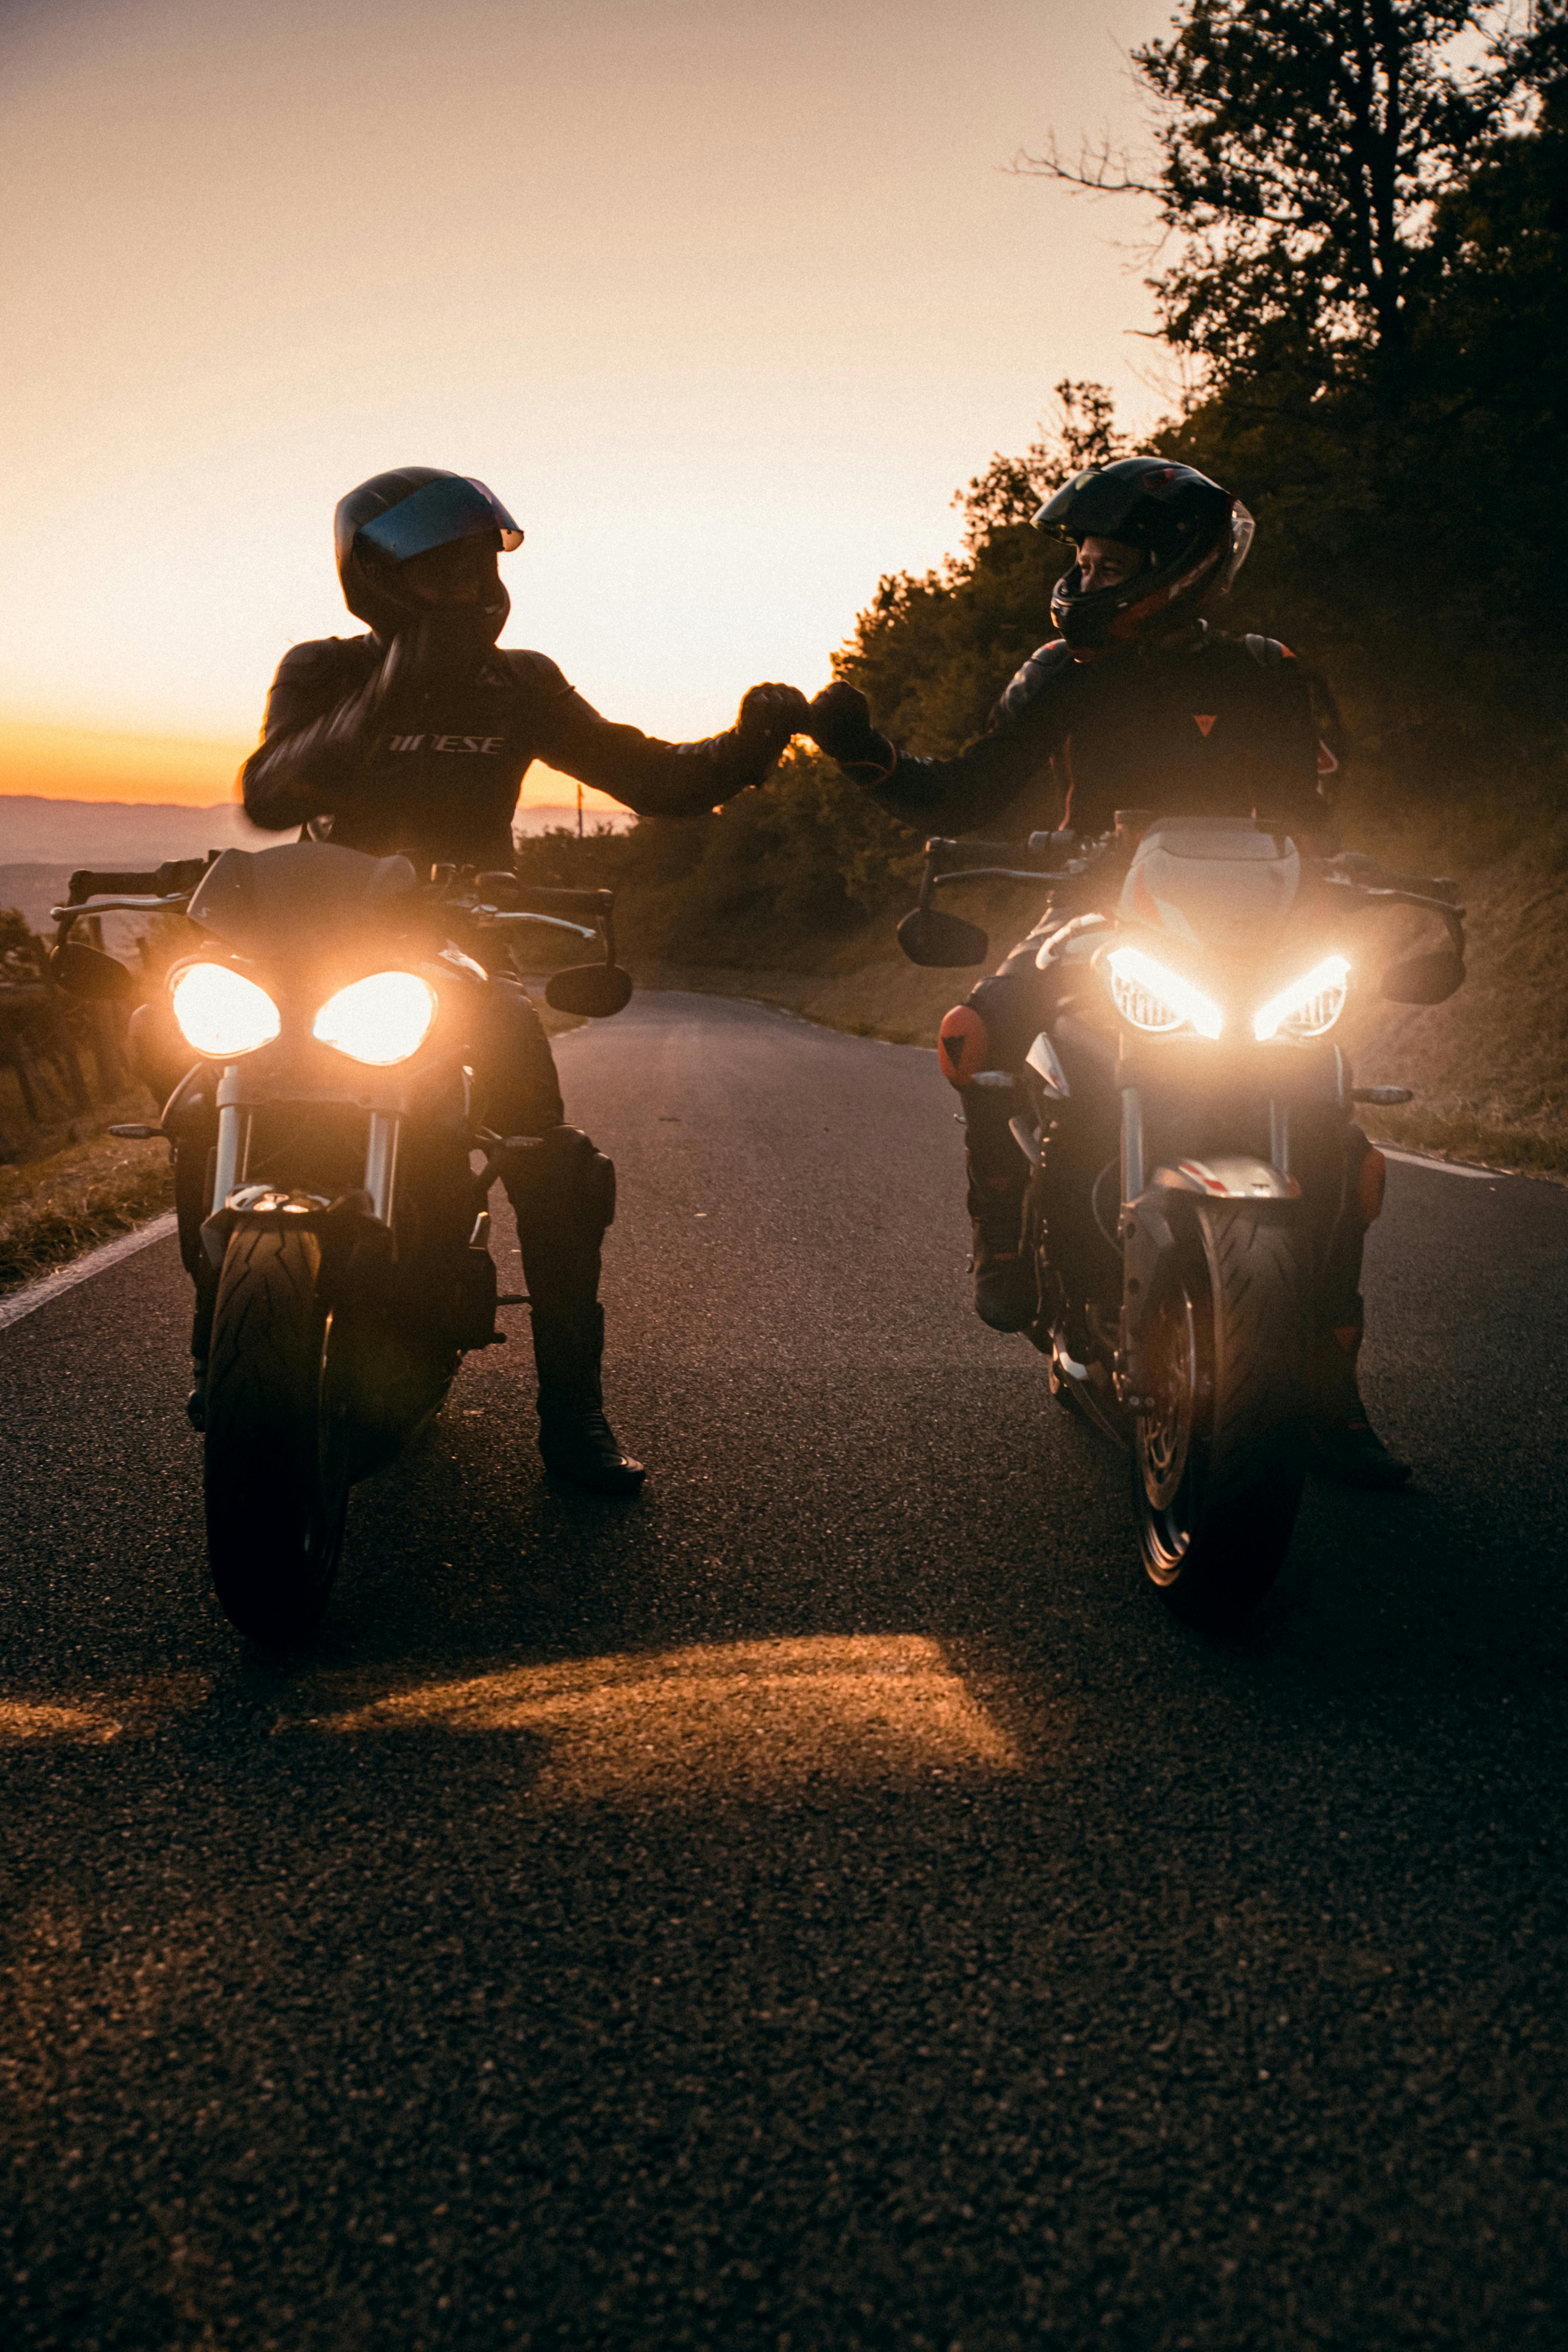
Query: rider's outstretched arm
point(1027, 728)
point(655, 778)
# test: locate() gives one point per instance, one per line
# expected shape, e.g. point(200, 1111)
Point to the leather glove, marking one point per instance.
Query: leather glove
point(839, 722)
point(771, 714)
point(442, 647)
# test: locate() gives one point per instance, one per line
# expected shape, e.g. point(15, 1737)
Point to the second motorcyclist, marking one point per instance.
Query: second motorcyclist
point(1139, 703)
point(414, 739)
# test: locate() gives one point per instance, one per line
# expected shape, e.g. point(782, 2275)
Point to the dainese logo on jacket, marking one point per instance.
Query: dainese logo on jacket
point(486, 743)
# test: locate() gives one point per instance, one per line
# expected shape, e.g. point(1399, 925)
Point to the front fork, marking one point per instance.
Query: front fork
point(1133, 1172)
point(232, 1155)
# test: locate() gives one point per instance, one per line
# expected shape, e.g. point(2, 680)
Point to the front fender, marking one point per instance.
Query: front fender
point(1152, 1233)
point(1236, 1177)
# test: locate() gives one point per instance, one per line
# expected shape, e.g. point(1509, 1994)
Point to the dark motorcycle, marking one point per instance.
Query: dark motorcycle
point(1189, 1122)
point(331, 1002)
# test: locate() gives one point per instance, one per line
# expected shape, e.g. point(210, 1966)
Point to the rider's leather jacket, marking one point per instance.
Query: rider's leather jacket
point(432, 766)
point(1211, 725)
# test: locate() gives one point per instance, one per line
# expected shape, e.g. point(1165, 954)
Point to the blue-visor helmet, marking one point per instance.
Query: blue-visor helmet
point(451, 508)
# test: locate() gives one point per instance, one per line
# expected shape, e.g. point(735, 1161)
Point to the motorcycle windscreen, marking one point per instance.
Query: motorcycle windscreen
point(1222, 880)
point(437, 516)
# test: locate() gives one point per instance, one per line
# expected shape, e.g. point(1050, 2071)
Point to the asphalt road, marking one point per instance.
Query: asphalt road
point(826, 1903)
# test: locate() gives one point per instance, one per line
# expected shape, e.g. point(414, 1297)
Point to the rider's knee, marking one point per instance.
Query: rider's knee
point(993, 1030)
point(1011, 1002)
point(564, 1176)
point(962, 1047)
point(518, 1092)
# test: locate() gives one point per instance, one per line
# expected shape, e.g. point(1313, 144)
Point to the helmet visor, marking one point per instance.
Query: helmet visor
point(438, 515)
point(1242, 531)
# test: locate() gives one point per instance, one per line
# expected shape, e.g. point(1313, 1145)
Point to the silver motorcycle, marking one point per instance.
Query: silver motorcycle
point(1188, 1116)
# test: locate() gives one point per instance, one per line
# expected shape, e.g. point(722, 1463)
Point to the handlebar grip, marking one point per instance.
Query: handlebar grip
point(180, 874)
point(89, 884)
point(981, 848)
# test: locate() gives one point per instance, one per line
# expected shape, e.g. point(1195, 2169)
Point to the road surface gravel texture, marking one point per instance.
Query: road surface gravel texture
point(828, 1902)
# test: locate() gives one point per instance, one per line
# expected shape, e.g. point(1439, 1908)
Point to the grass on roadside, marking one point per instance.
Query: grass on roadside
point(53, 1209)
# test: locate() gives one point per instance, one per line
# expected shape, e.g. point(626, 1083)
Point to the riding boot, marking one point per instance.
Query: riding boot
point(564, 1197)
point(1345, 1448)
point(1005, 1291)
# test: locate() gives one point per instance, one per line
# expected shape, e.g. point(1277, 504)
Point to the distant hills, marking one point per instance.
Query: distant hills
point(35, 831)
point(42, 842)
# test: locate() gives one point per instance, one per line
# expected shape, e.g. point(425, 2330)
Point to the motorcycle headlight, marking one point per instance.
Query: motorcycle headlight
point(1309, 1006)
point(221, 1012)
point(1152, 998)
point(381, 1019)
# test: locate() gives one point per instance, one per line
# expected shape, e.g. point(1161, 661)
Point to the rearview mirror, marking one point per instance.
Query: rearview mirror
point(87, 972)
point(594, 989)
point(928, 936)
point(1429, 978)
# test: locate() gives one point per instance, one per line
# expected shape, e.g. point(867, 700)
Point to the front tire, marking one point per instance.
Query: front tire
point(277, 1442)
point(1216, 1466)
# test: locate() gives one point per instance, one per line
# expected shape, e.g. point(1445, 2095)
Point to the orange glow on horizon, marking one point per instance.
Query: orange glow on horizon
point(79, 763)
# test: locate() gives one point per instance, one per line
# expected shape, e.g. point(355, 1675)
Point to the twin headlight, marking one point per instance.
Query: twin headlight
point(379, 1020)
point(1152, 997)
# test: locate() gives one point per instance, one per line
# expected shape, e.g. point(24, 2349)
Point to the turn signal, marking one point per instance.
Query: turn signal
point(221, 1012)
point(379, 1020)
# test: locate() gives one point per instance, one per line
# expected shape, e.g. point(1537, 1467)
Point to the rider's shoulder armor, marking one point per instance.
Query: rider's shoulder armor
point(327, 656)
point(1045, 666)
point(1267, 652)
point(1263, 653)
point(537, 672)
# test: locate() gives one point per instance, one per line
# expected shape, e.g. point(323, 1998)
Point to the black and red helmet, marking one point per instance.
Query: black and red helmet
point(406, 512)
point(1193, 534)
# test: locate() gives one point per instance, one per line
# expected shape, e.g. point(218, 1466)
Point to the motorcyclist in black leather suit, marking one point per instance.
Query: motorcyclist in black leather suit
point(1139, 703)
point(414, 739)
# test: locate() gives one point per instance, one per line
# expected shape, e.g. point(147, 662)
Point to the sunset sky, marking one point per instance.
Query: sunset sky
point(725, 299)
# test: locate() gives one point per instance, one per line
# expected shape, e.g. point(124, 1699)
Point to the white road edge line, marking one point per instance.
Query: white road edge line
point(1444, 1166)
point(82, 1269)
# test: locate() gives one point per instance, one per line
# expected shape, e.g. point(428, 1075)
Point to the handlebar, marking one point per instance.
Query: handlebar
point(1367, 873)
point(504, 889)
point(177, 877)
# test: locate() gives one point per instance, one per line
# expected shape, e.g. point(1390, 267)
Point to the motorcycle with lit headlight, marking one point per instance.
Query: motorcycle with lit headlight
point(1188, 1116)
point(331, 1004)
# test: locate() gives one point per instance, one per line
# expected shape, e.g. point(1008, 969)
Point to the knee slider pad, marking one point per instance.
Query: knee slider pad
point(963, 1046)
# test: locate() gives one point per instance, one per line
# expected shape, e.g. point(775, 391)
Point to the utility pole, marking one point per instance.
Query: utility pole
point(579, 811)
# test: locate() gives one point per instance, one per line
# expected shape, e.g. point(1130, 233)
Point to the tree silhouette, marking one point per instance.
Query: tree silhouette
point(1303, 146)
